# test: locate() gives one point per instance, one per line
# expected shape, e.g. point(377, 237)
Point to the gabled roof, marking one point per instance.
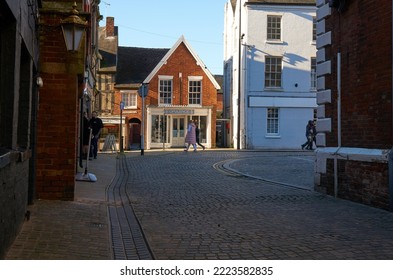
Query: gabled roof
point(196, 57)
point(135, 64)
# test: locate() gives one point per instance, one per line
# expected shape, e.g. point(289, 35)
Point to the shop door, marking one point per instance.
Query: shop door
point(178, 131)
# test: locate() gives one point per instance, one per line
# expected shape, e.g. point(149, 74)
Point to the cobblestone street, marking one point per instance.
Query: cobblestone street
point(190, 210)
point(213, 204)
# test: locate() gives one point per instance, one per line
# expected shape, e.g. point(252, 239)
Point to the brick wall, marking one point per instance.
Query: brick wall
point(363, 35)
point(183, 62)
point(13, 200)
point(57, 121)
point(363, 182)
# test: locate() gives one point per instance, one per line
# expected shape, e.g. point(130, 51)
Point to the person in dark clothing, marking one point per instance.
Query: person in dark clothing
point(96, 125)
point(310, 135)
point(86, 135)
point(197, 136)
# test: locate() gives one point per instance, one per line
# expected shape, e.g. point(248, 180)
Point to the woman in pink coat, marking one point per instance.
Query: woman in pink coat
point(191, 136)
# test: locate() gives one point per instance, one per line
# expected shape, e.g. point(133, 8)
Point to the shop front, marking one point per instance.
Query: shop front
point(167, 126)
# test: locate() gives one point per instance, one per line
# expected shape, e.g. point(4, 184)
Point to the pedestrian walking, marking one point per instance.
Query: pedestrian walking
point(310, 135)
point(190, 137)
point(96, 125)
point(197, 131)
point(86, 136)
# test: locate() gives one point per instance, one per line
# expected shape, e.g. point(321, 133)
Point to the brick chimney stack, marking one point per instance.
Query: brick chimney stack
point(110, 26)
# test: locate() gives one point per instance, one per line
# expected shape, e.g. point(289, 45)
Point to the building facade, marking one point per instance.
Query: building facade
point(105, 100)
point(269, 72)
point(19, 89)
point(180, 89)
point(354, 68)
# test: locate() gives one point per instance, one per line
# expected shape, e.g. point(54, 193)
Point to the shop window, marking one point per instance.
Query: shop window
point(159, 129)
point(202, 124)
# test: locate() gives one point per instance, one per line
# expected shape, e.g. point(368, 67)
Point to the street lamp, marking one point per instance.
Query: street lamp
point(73, 28)
point(143, 91)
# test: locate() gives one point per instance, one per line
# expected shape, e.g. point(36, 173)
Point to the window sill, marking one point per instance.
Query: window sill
point(274, 89)
point(7, 156)
point(273, 136)
point(272, 42)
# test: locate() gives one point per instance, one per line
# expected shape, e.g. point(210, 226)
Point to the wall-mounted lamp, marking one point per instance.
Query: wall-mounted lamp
point(73, 29)
point(40, 82)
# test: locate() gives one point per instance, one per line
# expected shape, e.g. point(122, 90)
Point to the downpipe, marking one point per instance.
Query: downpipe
point(336, 185)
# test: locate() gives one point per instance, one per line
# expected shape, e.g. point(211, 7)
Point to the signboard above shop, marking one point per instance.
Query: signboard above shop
point(178, 112)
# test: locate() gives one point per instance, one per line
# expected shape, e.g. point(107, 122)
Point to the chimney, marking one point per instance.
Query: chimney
point(110, 26)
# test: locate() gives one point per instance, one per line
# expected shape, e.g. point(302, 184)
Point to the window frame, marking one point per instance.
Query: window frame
point(161, 98)
point(272, 83)
point(132, 97)
point(194, 95)
point(273, 31)
point(272, 121)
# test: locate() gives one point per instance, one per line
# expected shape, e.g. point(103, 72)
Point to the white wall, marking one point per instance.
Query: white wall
point(296, 101)
point(293, 123)
point(296, 47)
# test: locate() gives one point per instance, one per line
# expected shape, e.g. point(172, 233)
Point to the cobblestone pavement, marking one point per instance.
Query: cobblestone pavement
point(213, 204)
point(190, 210)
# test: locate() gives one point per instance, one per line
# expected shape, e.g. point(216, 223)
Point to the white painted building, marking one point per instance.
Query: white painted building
point(272, 98)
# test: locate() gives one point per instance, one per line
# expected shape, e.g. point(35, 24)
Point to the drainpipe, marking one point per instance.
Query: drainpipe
point(239, 76)
point(338, 122)
point(338, 107)
point(390, 156)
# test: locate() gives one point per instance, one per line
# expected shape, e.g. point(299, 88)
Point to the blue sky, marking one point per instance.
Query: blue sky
point(159, 24)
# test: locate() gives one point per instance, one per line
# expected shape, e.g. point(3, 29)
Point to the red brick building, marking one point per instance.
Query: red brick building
point(354, 123)
point(180, 89)
point(68, 84)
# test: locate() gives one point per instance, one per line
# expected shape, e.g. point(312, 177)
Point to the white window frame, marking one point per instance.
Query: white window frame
point(272, 121)
point(130, 99)
point(273, 81)
point(195, 79)
point(165, 79)
point(272, 30)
